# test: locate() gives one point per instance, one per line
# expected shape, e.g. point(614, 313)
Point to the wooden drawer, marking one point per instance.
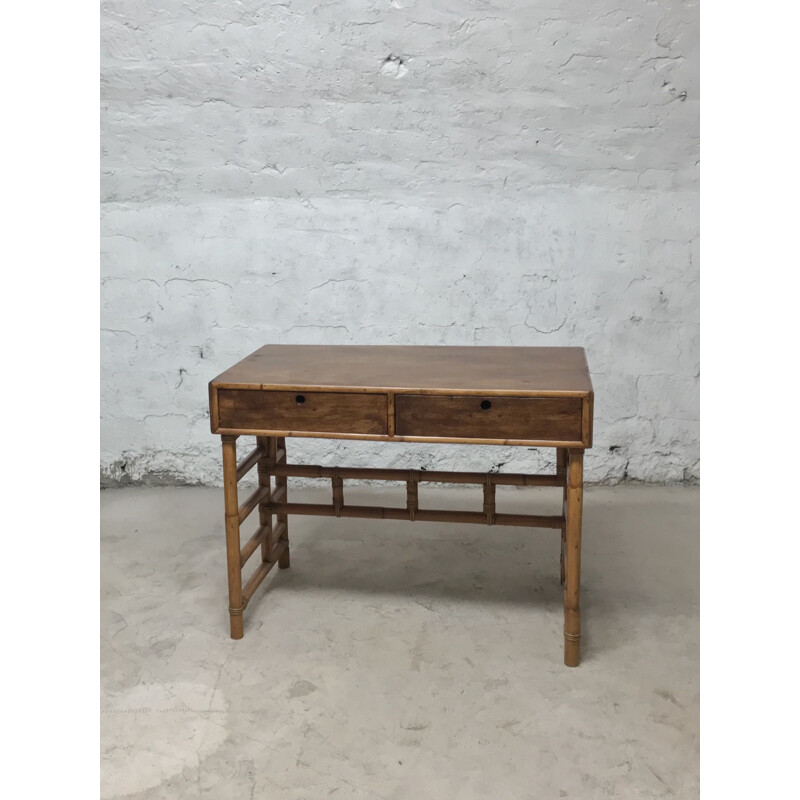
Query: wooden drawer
point(556, 419)
point(321, 412)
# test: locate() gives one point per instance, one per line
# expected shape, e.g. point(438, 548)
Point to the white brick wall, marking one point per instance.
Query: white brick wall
point(399, 172)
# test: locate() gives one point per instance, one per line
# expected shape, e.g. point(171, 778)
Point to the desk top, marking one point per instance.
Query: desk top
point(521, 371)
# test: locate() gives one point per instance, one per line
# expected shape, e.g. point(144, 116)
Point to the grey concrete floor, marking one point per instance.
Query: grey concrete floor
point(398, 660)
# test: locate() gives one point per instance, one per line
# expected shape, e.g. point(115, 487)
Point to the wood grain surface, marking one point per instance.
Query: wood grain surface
point(554, 371)
point(338, 412)
point(470, 417)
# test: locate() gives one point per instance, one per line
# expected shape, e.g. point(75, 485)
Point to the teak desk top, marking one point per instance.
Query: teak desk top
point(538, 396)
point(518, 371)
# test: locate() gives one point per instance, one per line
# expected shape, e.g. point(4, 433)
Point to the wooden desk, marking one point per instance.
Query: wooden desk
point(528, 396)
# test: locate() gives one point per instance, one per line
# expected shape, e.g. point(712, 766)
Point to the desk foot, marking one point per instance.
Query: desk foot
point(237, 625)
point(572, 650)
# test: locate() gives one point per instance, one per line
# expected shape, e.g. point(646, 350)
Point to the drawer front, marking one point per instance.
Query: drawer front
point(556, 419)
point(321, 412)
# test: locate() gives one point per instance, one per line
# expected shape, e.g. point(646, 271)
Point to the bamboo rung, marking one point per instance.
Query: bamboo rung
point(278, 495)
point(246, 464)
point(524, 521)
point(251, 502)
point(424, 515)
point(252, 543)
point(280, 530)
point(405, 475)
point(261, 572)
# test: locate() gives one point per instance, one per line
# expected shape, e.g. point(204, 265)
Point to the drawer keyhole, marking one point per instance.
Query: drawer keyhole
point(300, 399)
point(486, 404)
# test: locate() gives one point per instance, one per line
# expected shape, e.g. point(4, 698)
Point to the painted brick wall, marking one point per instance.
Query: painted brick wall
point(457, 172)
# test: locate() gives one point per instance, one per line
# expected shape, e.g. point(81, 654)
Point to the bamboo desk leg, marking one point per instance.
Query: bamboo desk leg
point(561, 472)
point(283, 560)
point(235, 601)
point(572, 584)
point(268, 445)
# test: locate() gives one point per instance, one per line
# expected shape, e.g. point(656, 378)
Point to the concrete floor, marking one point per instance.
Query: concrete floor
point(401, 661)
